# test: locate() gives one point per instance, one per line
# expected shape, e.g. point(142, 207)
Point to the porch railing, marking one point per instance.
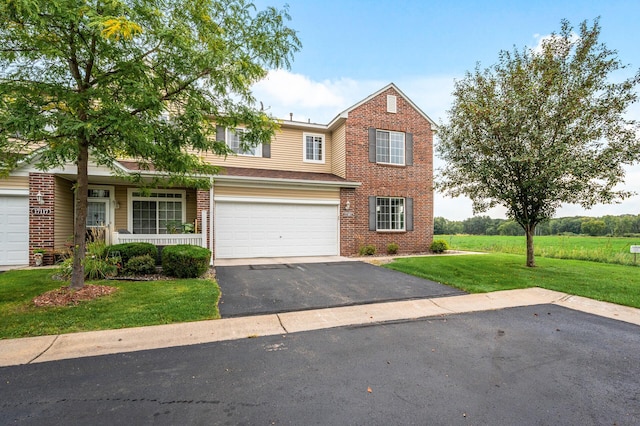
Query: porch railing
point(159, 239)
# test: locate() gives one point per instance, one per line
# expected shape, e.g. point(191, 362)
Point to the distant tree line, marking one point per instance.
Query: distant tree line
point(618, 226)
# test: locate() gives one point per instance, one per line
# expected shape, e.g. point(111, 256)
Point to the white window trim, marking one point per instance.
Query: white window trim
point(323, 145)
point(404, 213)
point(131, 198)
point(231, 132)
point(404, 148)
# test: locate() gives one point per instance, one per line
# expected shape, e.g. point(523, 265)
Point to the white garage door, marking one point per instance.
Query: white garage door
point(14, 230)
point(247, 229)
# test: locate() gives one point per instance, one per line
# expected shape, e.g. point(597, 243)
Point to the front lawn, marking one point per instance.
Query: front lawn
point(134, 304)
point(492, 272)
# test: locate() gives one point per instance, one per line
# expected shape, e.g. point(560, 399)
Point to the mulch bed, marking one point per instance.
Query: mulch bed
point(65, 296)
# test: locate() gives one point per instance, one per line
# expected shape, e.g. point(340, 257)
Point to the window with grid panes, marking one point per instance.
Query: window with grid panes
point(389, 147)
point(234, 141)
point(158, 213)
point(390, 214)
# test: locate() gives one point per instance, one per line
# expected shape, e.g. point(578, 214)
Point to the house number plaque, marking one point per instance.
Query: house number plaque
point(347, 214)
point(40, 211)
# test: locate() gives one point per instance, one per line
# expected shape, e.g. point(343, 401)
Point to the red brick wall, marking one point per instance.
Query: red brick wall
point(41, 216)
point(203, 204)
point(387, 180)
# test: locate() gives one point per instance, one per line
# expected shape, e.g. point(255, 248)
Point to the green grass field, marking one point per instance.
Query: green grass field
point(496, 271)
point(594, 249)
point(136, 303)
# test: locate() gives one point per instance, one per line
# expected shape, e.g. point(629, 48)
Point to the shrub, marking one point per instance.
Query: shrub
point(185, 261)
point(130, 250)
point(439, 246)
point(140, 265)
point(95, 268)
point(392, 248)
point(368, 250)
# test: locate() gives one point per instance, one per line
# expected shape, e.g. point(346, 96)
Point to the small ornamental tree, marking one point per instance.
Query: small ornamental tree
point(132, 79)
point(541, 128)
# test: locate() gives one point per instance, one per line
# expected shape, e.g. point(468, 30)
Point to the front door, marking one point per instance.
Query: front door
point(97, 213)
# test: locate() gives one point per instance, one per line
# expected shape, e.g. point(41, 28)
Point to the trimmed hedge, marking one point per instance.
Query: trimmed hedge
point(439, 246)
point(140, 265)
point(185, 261)
point(130, 250)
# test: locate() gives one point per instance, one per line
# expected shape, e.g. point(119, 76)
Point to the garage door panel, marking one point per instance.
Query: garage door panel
point(275, 230)
point(14, 237)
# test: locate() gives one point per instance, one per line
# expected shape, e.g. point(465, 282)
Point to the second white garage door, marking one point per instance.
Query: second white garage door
point(248, 229)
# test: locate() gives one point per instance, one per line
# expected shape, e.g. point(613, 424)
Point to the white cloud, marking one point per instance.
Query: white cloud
point(283, 92)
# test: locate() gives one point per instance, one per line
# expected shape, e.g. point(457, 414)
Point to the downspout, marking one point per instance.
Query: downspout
point(211, 245)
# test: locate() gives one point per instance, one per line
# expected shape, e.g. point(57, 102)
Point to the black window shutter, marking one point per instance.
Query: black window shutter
point(372, 144)
point(372, 213)
point(409, 213)
point(266, 150)
point(220, 134)
point(408, 148)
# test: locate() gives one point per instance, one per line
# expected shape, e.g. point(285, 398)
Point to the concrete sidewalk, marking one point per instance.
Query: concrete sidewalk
point(94, 343)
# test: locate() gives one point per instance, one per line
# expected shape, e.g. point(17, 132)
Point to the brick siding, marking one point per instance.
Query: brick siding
point(41, 216)
point(387, 180)
point(203, 204)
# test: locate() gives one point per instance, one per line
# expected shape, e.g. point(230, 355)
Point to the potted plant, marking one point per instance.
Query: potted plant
point(38, 254)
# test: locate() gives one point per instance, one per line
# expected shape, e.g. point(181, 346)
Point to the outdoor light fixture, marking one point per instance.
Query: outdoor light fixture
point(347, 205)
point(40, 197)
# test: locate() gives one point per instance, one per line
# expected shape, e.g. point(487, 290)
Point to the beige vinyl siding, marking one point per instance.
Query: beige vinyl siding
point(15, 182)
point(63, 208)
point(262, 192)
point(339, 155)
point(192, 206)
point(120, 216)
point(286, 154)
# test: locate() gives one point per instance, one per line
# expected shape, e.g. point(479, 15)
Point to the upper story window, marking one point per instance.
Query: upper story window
point(389, 147)
point(234, 141)
point(313, 148)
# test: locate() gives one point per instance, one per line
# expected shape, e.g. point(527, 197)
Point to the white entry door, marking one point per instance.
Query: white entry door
point(248, 229)
point(14, 232)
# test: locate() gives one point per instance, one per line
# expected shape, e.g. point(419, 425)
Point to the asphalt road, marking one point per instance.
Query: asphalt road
point(542, 365)
point(267, 289)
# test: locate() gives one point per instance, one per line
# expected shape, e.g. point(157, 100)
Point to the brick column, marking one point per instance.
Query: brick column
point(202, 197)
point(349, 222)
point(41, 216)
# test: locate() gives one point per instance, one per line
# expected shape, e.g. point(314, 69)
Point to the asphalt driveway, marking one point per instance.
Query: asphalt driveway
point(266, 289)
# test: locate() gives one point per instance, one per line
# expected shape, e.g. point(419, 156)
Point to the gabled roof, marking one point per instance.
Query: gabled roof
point(345, 114)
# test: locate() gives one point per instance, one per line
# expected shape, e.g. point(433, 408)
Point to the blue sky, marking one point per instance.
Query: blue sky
point(352, 48)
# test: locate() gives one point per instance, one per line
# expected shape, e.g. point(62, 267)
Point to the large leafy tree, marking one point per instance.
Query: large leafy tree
point(135, 79)
point(541, 128)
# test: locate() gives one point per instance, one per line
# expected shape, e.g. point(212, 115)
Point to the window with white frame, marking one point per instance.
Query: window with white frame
point(389, 147)
point(313, 148)
point(390, 214)
point(160, 212)
point(234, 141)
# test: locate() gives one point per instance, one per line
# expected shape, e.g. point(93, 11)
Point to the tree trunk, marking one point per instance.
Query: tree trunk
point(529, 230)
point(80, 226)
